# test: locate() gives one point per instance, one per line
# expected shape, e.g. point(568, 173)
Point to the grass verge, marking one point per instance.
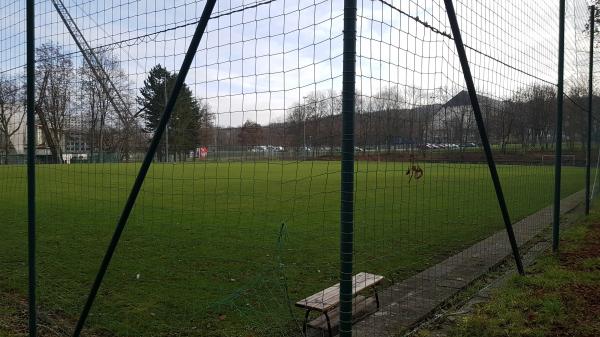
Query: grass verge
point(560, 296)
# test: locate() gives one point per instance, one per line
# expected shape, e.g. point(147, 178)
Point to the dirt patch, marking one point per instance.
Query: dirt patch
point(13, 315)
point(586, 294)
point(577, 259)
point(14, 320)
point(582, 303)
point(582, 300)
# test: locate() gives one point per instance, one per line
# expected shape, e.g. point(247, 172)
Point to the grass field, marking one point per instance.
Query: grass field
point(225, 248)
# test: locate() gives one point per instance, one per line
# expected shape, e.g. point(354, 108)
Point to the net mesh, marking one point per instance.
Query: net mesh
point(238, 218)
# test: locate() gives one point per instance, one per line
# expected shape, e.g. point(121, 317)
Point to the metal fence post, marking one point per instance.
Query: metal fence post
point(460, 48)
point(139, 180)
point(347, 175)
point(588, 157)
point(31, 165)
point(559, 122)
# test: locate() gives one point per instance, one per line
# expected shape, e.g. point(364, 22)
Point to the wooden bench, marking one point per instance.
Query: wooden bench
point(326, 300)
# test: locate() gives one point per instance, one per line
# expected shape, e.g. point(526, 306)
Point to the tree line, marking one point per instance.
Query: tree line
point(397, 117)
point(74, 102)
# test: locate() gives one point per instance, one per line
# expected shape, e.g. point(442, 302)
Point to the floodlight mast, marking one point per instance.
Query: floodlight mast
point(98, 71)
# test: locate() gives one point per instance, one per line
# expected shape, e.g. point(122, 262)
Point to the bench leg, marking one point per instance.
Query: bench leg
point(328, 324)
point(305, 322)
point(376, 297)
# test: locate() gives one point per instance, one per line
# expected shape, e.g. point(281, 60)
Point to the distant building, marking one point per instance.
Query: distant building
point(74, 139)
point(76, 135)
point(454, 121)
point(18, 139)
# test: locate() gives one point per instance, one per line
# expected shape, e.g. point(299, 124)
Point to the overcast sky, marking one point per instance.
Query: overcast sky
point(256, 63)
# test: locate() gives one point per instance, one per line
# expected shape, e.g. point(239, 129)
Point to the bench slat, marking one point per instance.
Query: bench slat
point(360, 308)
point(328, 298)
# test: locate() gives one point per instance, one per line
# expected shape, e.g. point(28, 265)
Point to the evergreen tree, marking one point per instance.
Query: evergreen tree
point(189, 114)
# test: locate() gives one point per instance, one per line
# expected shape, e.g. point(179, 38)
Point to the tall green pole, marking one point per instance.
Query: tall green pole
point(588, 157)
point(559, 122)
point(347, 187)
point(31, 164)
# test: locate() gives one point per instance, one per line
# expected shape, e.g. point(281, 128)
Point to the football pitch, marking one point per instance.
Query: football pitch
point(226, 248)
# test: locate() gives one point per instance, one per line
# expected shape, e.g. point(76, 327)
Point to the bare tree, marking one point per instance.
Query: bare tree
point(250, 133)
point(301, 114)
point(97, 102)
point(54, 73)
point(318, 106)
point(331, 118)
point(502, 123)
point(576, 116)
point(12, 113)
point(386, 106)
point(539, 112)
